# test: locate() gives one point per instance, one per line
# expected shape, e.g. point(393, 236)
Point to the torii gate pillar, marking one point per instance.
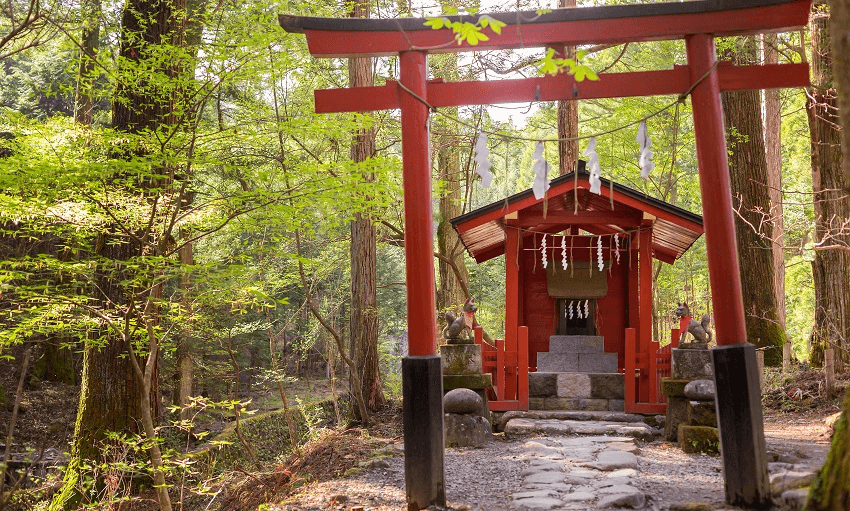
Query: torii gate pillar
point(738, 392)
point(421, 370)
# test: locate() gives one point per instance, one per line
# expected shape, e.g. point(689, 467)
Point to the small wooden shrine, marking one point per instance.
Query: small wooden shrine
point(578, 263)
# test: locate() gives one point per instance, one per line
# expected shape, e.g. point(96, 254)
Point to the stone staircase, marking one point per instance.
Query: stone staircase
point(576, 374)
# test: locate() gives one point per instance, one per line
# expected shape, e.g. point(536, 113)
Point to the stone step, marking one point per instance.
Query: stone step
point(576, 344)
point(577, 362)
point(577, 385)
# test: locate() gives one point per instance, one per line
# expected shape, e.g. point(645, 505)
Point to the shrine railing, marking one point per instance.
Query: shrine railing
point(509, 369)
point(643, 390)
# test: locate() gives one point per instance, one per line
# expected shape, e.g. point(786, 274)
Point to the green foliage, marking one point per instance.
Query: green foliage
point(549, 65)
point(465, 31)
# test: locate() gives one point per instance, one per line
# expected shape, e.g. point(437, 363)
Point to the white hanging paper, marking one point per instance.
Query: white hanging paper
point(564, 252)
point(645, 159)
point(578, 310)
point(593, 166)
point(586, 308)
point(571, 309)
point(543, 252)
point(617, 247)
point(599, 263)
point(482, 158)
point(541, 172)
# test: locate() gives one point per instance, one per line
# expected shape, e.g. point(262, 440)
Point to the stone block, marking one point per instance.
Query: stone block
point(607, 385)
point(557, 362)
point(672, 387)
point(699, 439)
point(467, 381)
point(616, 405)
point(691, 364)
point(464, 430)
point(560, 403)
point(573, 385)
point(700, 390)
point(462, 401)
point(536, 403)
point(593, 405)
point(597, 362)
point(461, 358)
point(677, 413)
point(702, 413)
point(576, 344)
point(542, 384)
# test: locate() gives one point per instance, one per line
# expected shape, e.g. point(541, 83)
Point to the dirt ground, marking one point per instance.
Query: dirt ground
point(796, 413)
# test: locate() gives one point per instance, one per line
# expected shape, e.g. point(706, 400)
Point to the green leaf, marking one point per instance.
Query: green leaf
point(581, 54)
point(449, 10)
point(541, 12)
point(579, 73)
point(435, 23)
point(591, 74)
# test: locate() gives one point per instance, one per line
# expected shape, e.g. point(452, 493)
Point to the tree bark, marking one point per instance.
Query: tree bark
point(748, 176)
point(773, 148)
point(89, 44)
point(831, 488)
point(450, 293)
point(567, 117)
point(831, 187)
point(364, 295)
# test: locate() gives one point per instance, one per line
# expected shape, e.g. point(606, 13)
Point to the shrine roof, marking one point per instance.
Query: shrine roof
point(568, 203)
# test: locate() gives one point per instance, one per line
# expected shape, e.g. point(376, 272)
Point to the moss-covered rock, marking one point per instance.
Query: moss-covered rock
point(699, 439)
point(831, 488)
point(672, 387)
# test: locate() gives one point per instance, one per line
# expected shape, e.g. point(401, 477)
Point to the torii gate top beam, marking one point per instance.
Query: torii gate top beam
point(358, 37)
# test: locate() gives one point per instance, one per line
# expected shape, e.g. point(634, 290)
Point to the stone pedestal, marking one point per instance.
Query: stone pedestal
point(461, 363)
point(691, 416)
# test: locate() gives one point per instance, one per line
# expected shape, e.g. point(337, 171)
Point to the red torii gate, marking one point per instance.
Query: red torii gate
point(697, 22)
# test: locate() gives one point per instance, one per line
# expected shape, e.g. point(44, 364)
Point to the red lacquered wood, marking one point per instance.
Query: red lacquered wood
point(349, 43)
point(630, 401)
point(499, 376)
point(654, 390)
point(522, 368)
point(418, 238)
point(561, 87)
point(645, 331)
point(718, 216)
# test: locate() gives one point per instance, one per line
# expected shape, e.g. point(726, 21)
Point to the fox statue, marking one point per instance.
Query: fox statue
point(459, 329)
point(700, 330)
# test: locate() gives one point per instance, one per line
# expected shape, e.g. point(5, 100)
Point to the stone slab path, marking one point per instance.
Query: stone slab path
point(543, 463)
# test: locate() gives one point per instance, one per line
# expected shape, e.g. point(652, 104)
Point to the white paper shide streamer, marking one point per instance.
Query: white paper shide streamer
point(564, 252)
point(599, 263)
point(543, 252)
point(593, 166)
point(541, 172)
point(645, 160)
point(578, 310)
point(586, 308)
point(571, 309)
point(482, 158)
point(617, 247)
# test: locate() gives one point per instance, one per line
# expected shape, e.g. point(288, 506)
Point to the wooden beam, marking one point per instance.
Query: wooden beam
point(582, 218)
point(572, 27)
point(560, 87)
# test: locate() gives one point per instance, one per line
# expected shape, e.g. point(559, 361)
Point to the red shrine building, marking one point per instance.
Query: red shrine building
point(578, 269)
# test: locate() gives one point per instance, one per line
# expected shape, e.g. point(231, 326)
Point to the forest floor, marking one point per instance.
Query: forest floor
point(362, 469)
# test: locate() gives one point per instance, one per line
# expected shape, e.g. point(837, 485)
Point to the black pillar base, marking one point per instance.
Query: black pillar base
point(739, 418)
point(422, 391)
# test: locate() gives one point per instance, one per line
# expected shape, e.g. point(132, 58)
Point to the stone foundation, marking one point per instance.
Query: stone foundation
point(576, 391)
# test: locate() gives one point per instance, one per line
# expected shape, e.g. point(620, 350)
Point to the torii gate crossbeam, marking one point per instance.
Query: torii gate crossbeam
point(697, 22)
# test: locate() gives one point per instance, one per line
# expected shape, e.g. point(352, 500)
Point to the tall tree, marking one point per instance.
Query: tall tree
point(830, 184)
point(831, 488)
point(451, 267)
point(119, 382)
point(773, 148)
point(748, 176)
point(364, 296)
point(567, 117)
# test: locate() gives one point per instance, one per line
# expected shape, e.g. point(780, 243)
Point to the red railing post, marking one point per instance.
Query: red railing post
point(522, 367)
point(500, 370)
point(630, 371)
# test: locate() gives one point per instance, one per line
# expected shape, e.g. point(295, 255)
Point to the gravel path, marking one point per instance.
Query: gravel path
point(565, 472)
